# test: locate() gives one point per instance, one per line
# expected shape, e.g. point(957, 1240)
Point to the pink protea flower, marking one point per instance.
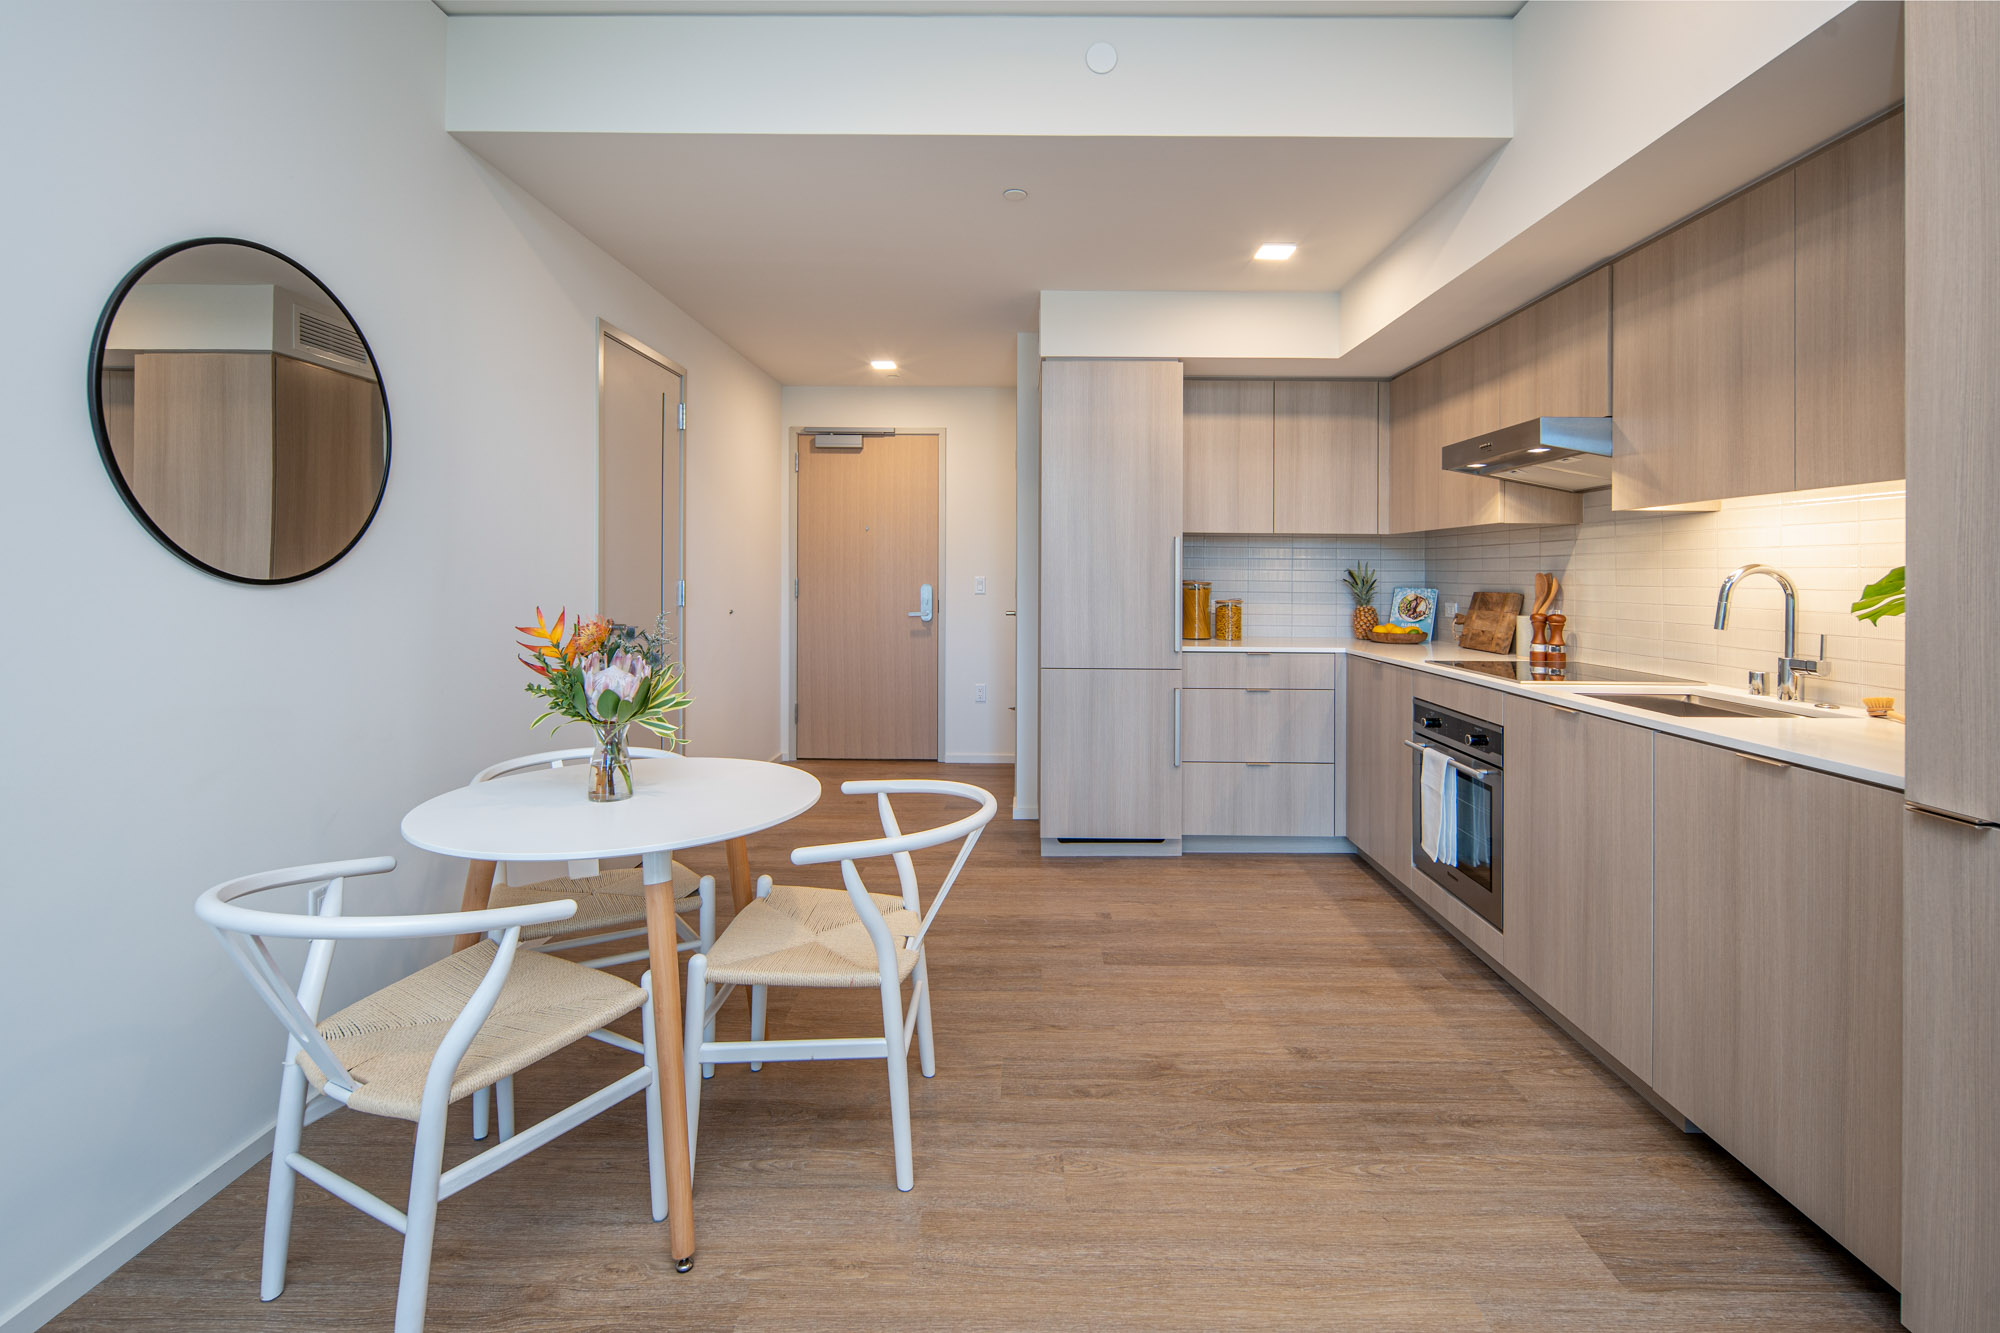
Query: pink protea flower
point(622, 675)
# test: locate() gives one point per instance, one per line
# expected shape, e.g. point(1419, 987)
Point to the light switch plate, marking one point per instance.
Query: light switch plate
point(979, 585)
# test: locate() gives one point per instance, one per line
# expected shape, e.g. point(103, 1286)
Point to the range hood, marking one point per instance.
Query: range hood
point(1561, 453)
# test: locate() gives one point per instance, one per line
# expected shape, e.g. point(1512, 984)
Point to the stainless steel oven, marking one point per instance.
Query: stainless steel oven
point(1469, 858)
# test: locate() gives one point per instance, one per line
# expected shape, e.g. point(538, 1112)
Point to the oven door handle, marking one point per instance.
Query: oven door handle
point(1462, 767)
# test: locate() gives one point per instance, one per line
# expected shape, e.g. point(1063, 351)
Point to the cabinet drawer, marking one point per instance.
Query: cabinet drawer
point(1258, 726)
point(1258, 800)
point(1279, 671)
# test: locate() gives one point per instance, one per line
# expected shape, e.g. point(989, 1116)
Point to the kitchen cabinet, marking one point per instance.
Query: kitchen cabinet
point(1229, 455)
point(1951, 868)
point(1258, 726)
point(1258, 800)
point(1111, 514)
point(1108, 755)
point(1290, 456)
point(1249, 671)
point(1848, 203)
point(1378, 764)
point(1325, 468)
point(1778, 979)
point(1702, 356)
point(1552, 358)
point(1579, 827)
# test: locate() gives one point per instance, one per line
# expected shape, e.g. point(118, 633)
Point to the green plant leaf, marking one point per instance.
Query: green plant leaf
point(1884, 597)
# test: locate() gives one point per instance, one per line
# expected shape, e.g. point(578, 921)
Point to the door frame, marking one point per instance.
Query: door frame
point(606, 329)
point(940, 617)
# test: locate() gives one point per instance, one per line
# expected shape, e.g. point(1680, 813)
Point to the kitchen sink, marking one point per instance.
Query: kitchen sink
point(1699, 705)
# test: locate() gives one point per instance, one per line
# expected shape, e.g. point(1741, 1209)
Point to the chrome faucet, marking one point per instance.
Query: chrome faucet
point(1791, 666)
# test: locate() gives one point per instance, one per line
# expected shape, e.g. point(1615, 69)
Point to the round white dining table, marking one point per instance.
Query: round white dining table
point(545, 814)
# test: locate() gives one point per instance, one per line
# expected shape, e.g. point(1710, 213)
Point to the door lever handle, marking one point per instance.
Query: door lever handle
point(923, 611)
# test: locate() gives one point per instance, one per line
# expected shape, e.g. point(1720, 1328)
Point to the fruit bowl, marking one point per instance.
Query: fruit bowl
point(1397, 634)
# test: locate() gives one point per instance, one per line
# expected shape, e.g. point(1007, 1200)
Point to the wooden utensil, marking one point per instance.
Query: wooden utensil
point(1490, 622)
point(1546, 588)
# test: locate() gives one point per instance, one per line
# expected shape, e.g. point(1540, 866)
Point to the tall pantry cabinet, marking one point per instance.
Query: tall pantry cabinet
point(1951, 833)
point(1110, 602)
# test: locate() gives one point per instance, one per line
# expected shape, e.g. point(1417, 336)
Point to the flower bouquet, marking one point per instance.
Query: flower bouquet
point(608, 677)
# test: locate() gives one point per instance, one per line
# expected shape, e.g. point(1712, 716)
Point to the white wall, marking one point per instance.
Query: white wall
point(978, 427)
point(166, 729)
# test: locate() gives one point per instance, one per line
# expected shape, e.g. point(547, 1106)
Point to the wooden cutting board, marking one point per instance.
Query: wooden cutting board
point(1489, 622)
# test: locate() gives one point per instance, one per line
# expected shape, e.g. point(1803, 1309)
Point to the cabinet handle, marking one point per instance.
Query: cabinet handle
point(1573, 712)
point(1760, 759)
point(1937, 812)
point(1177, 726)
point(1263, 690)
point(1174, 624)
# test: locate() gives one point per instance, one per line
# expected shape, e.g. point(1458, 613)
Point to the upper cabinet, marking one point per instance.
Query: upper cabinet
point(1111, 513)
point(1703, 356)
point(1758, 347)
point(1294, 456)
point(1552, 358)
point(1848, 210)
point(1228, 426)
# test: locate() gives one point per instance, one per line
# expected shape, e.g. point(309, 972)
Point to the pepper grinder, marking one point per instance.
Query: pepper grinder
point(1538, 649)
point(1558, 657)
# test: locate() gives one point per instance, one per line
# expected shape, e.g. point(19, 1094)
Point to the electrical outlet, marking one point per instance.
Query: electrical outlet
point(979, 694)
point(979, 585)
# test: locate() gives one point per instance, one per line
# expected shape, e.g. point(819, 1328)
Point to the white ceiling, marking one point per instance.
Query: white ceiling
point(813, 254)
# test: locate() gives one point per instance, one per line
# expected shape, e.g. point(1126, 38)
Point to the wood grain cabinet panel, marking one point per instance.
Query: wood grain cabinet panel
point(1281, 671)
point(1325, 472)
point(1951, 1138)
point(1259, 726)
point(1378, 764)
point(1702, 357)
point(1580, 904)
point(1108, 755)
point(1849, 236)
point(1570, 365)
point(1111, 513)
point(1228, 485)
point(1779, 980)
point(1258, 800)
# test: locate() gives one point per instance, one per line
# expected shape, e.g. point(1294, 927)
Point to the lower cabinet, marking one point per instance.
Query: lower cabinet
point(1579, 832)
point(1258, 800)
point(1108, 754)
point(1778, 965)
point(1378, 763)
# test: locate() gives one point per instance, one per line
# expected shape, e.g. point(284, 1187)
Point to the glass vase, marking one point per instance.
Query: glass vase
point(610, 766)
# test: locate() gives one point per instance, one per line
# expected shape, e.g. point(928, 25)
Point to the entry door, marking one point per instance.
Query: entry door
point(868, 549)
point(639, 490)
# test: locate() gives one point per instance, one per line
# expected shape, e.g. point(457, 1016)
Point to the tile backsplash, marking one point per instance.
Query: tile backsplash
point(1638, 588)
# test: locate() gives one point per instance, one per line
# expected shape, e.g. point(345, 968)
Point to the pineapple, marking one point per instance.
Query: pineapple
point(1360, 580)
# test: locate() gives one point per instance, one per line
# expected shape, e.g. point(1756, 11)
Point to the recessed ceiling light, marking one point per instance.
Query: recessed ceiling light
point(1275, 250)
point(881, 365)
point(1015, 195)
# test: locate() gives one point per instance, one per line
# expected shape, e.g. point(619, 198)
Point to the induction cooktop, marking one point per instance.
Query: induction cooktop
point(1573, 673)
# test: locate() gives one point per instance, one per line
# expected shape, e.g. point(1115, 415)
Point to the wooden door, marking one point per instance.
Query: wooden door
point(1580, 897)
point(1108, 755)
point(1227, 482)
point(1111, 513)
point(1779, 980)
point(1850, 310)
point(868, 547)
point(1951, 1143)
point(1378, 764)
point(1702, 359)
point(1325, 470)
point(326, 462)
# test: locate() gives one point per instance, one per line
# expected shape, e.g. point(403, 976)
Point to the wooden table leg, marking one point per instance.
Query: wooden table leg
point(741, 887)
point(662, 941)
point(478, 892)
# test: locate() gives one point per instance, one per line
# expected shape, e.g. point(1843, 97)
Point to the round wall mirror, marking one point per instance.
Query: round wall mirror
point(239, 411)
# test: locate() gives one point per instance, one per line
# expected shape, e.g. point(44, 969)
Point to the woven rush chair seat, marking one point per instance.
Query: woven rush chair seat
point(611, 901)
point(388, 1040)
point(808, 937)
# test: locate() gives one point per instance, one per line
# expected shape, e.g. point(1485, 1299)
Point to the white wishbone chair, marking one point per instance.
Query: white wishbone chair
point(610, 904)
point(793, 936)
point(471, 1020)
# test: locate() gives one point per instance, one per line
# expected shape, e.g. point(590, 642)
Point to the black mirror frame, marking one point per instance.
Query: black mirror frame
point(94, 372)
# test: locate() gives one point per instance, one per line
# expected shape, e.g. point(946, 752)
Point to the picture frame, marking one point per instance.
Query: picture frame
point(1416, 607)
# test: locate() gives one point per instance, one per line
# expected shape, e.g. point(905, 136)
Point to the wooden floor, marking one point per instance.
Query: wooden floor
point(1261, 1092)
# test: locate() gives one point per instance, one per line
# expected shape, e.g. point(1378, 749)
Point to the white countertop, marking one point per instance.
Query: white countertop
point(1848, 743)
